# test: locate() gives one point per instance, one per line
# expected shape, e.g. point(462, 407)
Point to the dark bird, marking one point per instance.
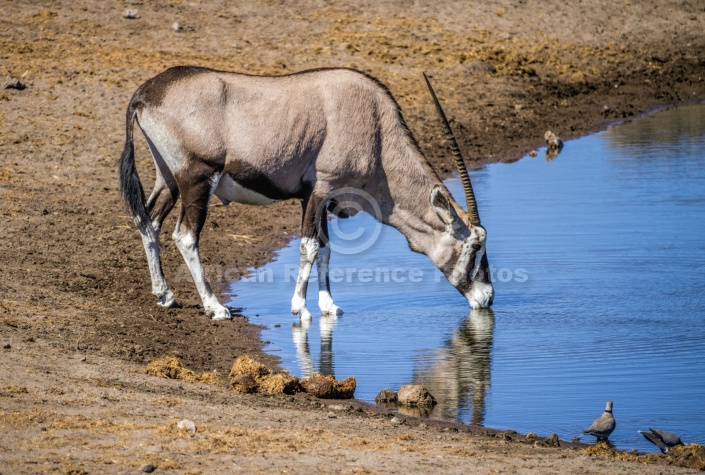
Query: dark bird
point(662, 439)
point(603, 425)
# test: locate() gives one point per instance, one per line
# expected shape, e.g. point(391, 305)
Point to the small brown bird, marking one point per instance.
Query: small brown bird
point(603, 425)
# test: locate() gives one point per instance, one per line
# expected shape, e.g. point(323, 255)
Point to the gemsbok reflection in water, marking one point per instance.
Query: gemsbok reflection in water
point(459, 373)
point(299, 332)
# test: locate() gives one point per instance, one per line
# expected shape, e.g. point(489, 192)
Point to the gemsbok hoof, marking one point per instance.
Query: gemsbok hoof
point(167, 300)
point(220, 313)
point(332, 310)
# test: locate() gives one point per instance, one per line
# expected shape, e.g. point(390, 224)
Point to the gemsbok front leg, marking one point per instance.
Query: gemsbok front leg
point(310, 245)
point(325, 300)
point(195, 195)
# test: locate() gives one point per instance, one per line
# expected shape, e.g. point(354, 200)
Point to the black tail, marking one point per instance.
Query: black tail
point(130, 185)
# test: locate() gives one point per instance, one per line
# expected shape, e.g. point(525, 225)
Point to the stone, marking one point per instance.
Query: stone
point(148, 468)
point(187, 425)
point(552, 440)
point(386, 396)
point(176, 26)
point(552, 140)
point(415, 395)
point(131, 14)
point(13, 83)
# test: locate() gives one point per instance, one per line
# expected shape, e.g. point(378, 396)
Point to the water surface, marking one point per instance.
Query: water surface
point(598, 261)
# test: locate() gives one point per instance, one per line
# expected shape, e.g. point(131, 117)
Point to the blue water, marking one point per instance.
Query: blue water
point(598, 260)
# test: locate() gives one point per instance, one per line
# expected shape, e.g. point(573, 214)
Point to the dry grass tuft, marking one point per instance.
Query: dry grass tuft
point(171, 368)
point(691, 456)
point(247, 365)
point(688, 456)
point(280, 384)
point(248, 376)
point(327, 387)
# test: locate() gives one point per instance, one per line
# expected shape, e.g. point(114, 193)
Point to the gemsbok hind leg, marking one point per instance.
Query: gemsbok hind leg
point(161, 201)
point(159, 204)
point(195, 195)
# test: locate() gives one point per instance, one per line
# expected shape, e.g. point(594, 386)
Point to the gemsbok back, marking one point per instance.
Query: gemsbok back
point(308, 136)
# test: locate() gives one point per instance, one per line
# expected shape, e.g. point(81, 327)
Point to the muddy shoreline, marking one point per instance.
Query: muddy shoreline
point(74, 287)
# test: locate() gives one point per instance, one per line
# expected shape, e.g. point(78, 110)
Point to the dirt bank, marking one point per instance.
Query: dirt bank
point(74, 282)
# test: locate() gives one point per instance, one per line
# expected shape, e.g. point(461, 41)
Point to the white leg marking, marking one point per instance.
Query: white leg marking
point(309, 251)
point(325, 300)
point(186, 243)
point(150, 242)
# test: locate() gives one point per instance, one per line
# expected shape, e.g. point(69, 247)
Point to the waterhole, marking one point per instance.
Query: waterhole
point(598, 261)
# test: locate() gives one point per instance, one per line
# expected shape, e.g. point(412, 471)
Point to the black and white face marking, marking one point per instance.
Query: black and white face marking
point(470, 273)
point(467, 267)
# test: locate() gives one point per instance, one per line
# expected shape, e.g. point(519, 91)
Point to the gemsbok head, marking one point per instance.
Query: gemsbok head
point(310, 136)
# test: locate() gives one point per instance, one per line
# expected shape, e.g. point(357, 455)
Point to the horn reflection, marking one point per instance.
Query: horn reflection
point(459, 377)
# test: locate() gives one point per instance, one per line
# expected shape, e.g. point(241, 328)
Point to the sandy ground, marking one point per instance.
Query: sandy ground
point(78, 320)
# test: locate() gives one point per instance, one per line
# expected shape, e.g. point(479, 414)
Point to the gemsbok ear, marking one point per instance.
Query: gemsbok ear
point(444, 210)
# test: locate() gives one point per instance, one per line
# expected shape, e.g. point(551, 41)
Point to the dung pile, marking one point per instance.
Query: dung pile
point(248, 376)
point(171, 368)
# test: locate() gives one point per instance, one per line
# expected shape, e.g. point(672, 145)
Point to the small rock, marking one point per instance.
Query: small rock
point(13, 83)
point(336, 407)
point(530, 436)
point(148, 468)
point(7, 346)
point(396, 421)
point(552, 440)
point(533, 153)
point(188, 425)
point(176, 26)
point(555, 145)
point(415, 395)
point(332, 415)
point(552, 140)
point(386, 396)
point(131, 14)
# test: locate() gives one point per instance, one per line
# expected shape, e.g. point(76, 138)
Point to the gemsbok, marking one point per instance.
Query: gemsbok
point(308, 136)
